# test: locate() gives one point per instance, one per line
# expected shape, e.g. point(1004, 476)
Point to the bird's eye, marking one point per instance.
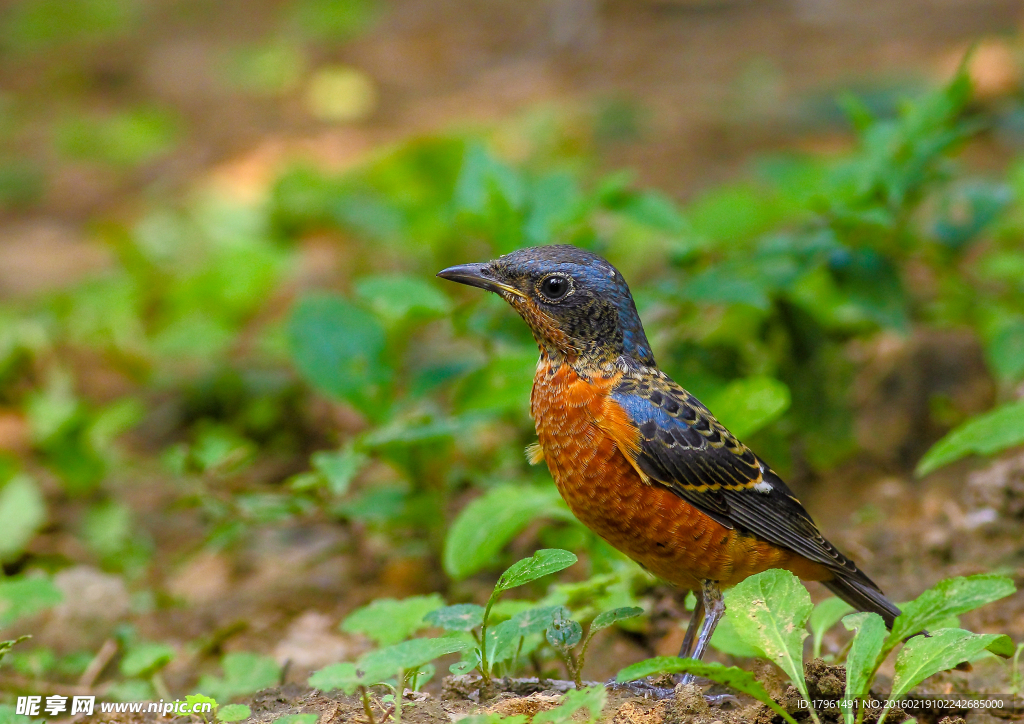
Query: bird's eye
point(554, 287)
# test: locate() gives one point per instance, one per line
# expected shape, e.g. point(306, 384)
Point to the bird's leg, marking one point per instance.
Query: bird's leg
point(714, 608)
point(691, 628)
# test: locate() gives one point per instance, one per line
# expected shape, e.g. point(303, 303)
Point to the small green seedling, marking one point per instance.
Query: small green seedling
point(387, 621)
point(544, 562)
point(194, 701)
point(564, 634)
point(731, 676)
point(6, 646)
point(398, 662)
point(244, 673)
point(145, 660)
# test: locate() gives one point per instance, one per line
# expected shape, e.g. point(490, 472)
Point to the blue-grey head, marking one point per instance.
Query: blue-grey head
point(576, 303)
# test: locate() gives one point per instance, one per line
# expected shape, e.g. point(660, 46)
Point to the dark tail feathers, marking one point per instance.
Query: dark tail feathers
point(864, 597)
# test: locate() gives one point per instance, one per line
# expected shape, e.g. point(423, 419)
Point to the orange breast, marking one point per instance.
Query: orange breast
point(657, 529)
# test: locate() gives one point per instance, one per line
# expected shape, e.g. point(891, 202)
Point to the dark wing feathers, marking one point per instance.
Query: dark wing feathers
point(683, 447)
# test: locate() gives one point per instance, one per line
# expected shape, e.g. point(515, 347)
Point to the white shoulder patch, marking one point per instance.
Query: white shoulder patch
point(763, 487)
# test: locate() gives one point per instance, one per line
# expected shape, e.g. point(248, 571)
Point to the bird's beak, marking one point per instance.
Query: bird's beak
point(477, 275)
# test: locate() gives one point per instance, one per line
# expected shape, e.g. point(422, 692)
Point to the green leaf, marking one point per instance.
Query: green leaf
point(6, 646)
point(950, 597)
point(862, 660)
point(824, 616)
point(460, 617)
point(388, 621)
point(771, 610)
point(727, 640)
point(297, 719)
point(22, 513)
point(24, 596)
point(609, 618)
point(985, 434)
point(924, 656)
point(338, 468)
point(524, 623)
point(489, 522)
point(542, 563)
point(406, 656)
point(145, 659)
point(244, 673)
point(564, 633)
point(193, 699)
point(748, 405)
point(233, 713)
point(731, 676)
point(342, 676)
point(338, 348)
point(395, 297)
point(590, 699)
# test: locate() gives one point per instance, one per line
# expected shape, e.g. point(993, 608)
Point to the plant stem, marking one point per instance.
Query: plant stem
point(366, 705)
point(485, 673)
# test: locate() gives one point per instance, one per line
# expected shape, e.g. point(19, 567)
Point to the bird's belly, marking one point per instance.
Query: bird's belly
point(663, 533)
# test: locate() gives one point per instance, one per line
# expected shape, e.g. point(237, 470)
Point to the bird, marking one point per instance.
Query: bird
point(638, 459)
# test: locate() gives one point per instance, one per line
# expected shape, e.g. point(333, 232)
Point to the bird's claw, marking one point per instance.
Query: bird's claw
point(649, 689)
point(643, 688)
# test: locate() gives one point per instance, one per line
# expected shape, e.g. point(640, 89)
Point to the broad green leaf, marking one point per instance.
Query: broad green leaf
point(144, 659)
point(609, 618)
point(338, 348)
point(824, 616)
point(727, 640)
point(343, 675)
point(506, 634)
point(489, 522)
point(950, 597)
point(406, 656)
point(233, 713)
point(22, 512)
point(460, 617)
point(985, 434)
point(395, 297)
point(244, 673)
point(750, 404)
point(731, 676)
point(771, 610)
point(24, 596)
point(542, 563)
point(590, 699)
point(863, 657)
point(388, 621)
point(338, 468)
point(924, 656)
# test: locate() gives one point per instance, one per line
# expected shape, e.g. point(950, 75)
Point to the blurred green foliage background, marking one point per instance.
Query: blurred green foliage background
point(221, 339)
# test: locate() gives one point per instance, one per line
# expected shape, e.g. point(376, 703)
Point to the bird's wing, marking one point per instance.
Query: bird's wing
point(674, 441)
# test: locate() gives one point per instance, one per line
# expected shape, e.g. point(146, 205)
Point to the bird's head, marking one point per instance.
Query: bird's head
point(576, 303)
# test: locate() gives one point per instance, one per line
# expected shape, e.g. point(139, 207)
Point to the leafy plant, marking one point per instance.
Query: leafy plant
point(563, 634)
point(985, 434)
point(731, 676)
point(387, 621)
point(244, 673)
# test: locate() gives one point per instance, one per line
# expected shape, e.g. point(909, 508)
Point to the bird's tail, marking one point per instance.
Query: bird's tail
point(864, 596)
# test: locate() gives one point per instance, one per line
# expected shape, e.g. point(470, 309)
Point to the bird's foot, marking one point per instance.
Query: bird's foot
point(645, 688)
point(684, 682)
